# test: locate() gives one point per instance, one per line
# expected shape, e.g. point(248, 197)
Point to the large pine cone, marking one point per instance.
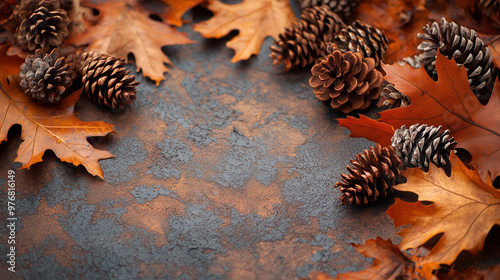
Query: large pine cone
point(421, 144)
point(374, 172)
point(364, 38)
point(43, 25)
point(301, 44)
point(460, 43)
point(348, 79)
point(343, 8)
point(105, 79)
point(45, 77)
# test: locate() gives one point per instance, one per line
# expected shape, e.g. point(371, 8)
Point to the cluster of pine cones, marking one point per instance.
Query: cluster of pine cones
point(345, 62)
point(345, 59)
point(38, 29)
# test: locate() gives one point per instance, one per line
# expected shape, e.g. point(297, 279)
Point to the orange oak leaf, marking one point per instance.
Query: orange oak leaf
point(255, 19)
point(449, 102)
point(464, 208)
point(389, 263)
point(400, 21)
point(176, 9)
point(125, 27)
point(371, 129)
point(47, 127)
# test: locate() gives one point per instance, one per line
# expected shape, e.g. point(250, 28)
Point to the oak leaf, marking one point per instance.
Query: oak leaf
point(371, 129)
point(400, 21)
point(47, 127)
point(464, 208)
point(125, 27)
point(449, 102)
point(176, 9)
point(255, 20)
point(389, 263)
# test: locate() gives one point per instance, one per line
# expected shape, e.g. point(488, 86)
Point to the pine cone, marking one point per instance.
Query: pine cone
point(363, 38)
point(306, 40)
point(42, 25)
point(105, 79)
point(460, 43)
point(374, 172)
point(348, 79)
point(413, 61)
point(421, 144)
point(343, 8)
point(394, 98)
point(490, 8)
point(45, 77)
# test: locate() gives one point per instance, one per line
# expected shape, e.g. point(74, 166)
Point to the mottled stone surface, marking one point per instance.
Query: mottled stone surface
point(224, 171)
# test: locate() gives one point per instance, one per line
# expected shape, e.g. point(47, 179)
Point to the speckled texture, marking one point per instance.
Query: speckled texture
point(224, 171)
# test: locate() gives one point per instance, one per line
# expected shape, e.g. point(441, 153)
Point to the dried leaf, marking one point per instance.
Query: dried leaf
point(47, 127)
point(370, 129)
point(464, 208)
point(388, 263)
point(449, 102)
point(255, 19)
point(400, 21)
point(176, 9)
point(125, 27)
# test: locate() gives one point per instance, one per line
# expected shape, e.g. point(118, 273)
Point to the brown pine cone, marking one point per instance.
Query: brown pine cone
point(301, 44)
point(419, 145)
point(348, 79)
point(45, 77)
point(343, 8)
point(105, 79)
point(393, 98)
point(361, 37)
point(460, 43)
point(373, 174)
point(43, 24)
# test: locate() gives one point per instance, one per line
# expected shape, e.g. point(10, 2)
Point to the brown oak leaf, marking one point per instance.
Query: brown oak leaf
point(47, 127)
point(464, 208)
point(176, 9)
point(400, 21)
point(125, 27)
point(389, 263)
point(449, 102)
point(255, 20)
point(371, 129)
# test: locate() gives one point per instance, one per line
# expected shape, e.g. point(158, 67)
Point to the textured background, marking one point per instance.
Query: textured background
point(224, 171)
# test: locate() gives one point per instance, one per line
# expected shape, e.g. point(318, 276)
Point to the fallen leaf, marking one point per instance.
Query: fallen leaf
point(399, 20)
point(47, 127)
point(389, 263)
point(371, 129)
point(176, 9)
point(449, 102)
point(255, 20)
point(125, 27)
point(464, 208)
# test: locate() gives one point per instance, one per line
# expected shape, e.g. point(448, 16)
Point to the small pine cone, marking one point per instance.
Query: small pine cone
point(45, 77)
point(301, 44)
point(343, 8)
point(421, 144)
point(363, 38)
point(374, 172)
point(413, 61)
point(105, 79)
point(348, 79)
point(490, 8)
point(460, 43)
point(394, 98)
point(43, 24)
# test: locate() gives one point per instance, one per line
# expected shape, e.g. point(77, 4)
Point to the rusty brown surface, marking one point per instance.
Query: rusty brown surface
point(224, 171)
